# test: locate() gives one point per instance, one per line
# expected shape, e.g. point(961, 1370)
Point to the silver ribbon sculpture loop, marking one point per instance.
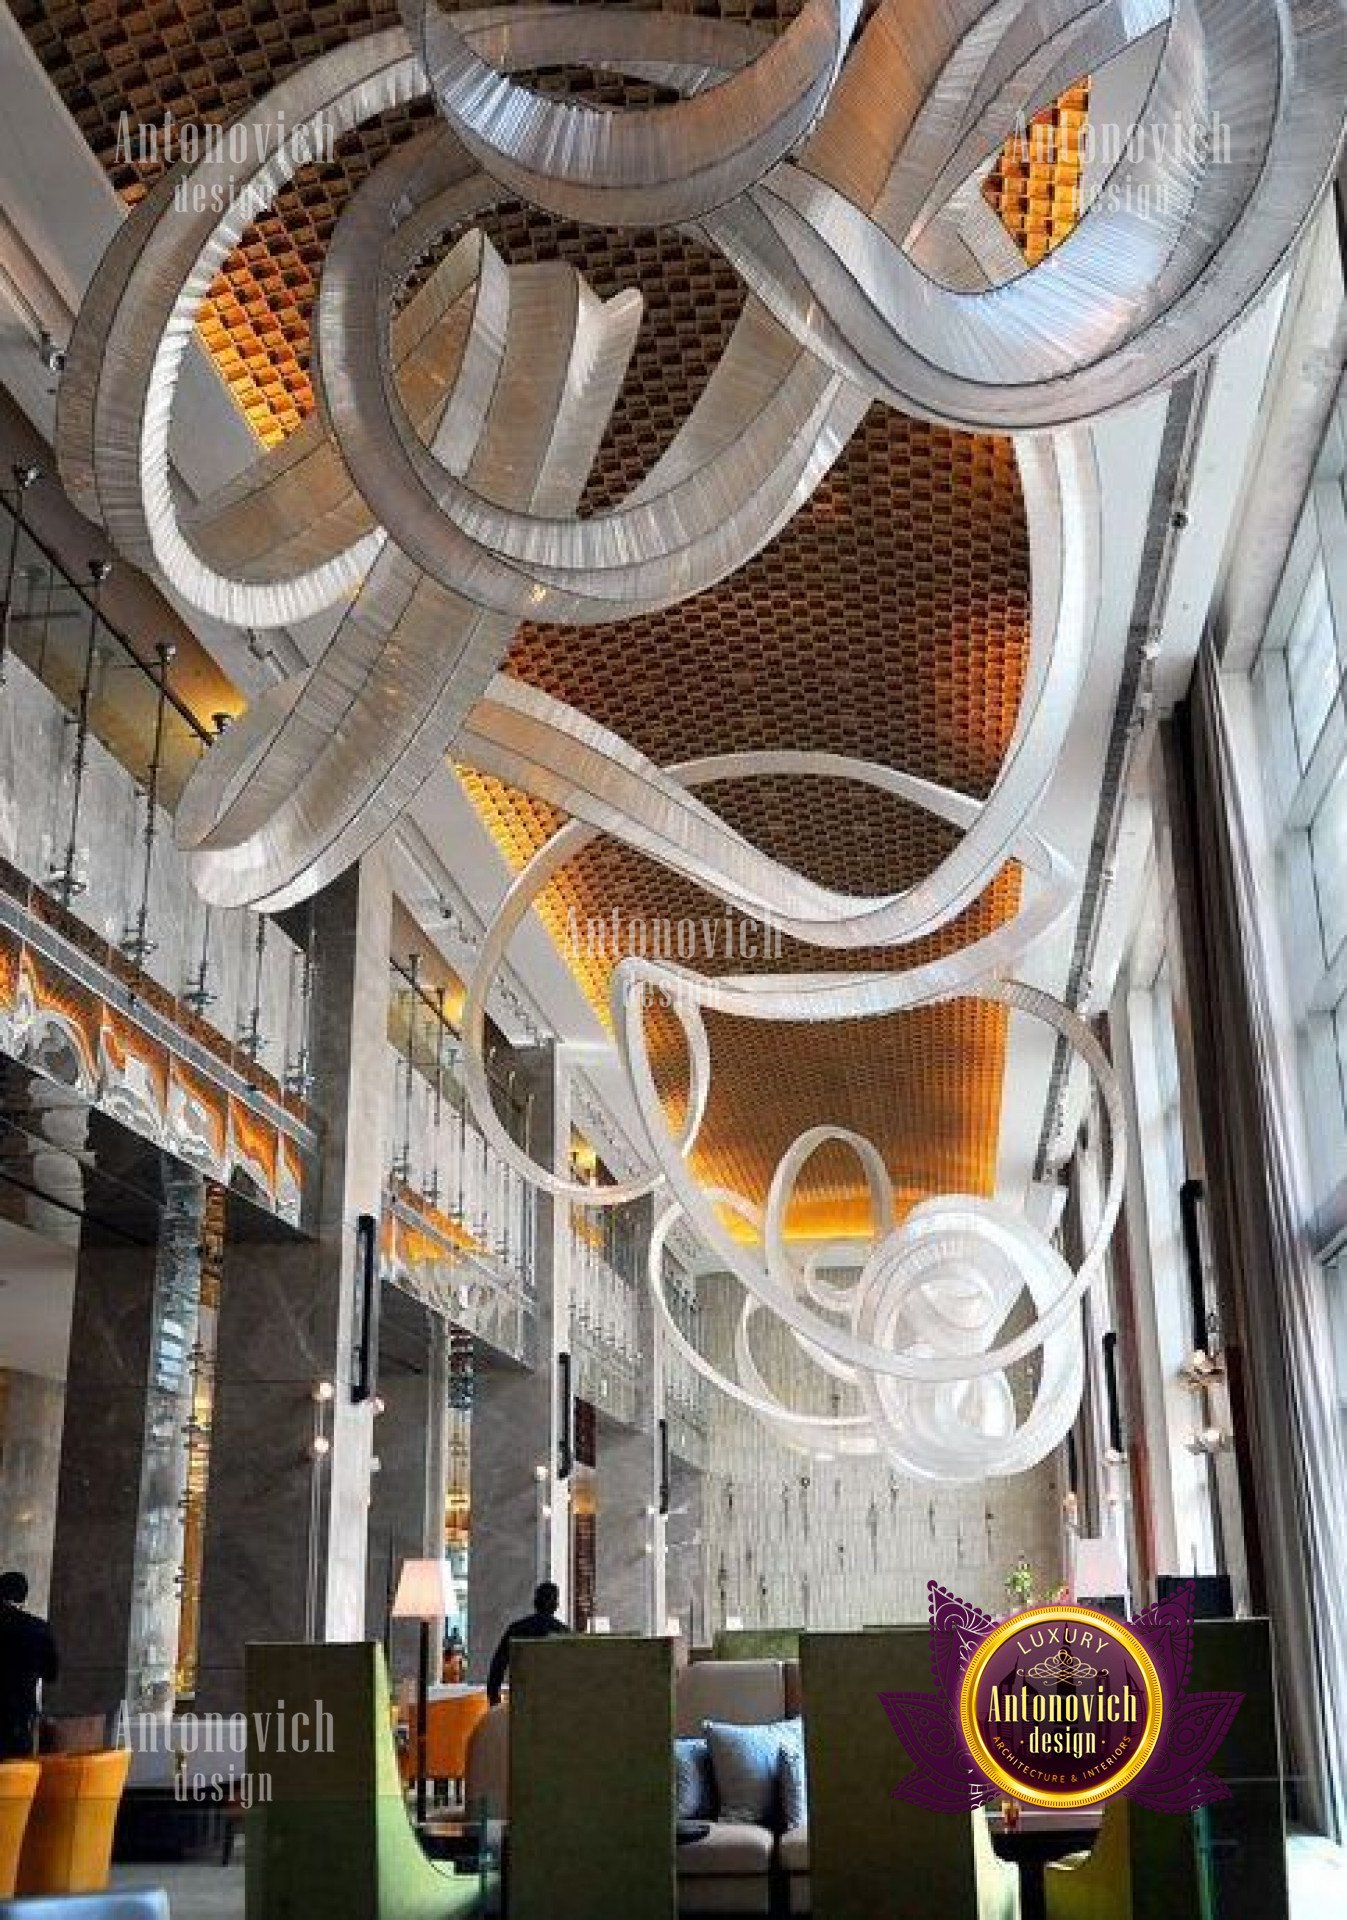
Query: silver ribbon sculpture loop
point(126, 353)
point(1244, 115)
point(650, 166)
point(323, 787)
point(919, 1334)
point(635, 978)
point(780, 421)
point(434, 500)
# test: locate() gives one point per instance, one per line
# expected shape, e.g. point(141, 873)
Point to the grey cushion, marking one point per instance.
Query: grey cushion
point(694, 1783)
point(745, 1761)
point(732, 1846)
point(792, 1785)
point(738, 1691)
point(794, 1850)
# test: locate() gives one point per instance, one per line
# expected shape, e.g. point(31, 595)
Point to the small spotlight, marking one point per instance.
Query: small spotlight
point(52, 357)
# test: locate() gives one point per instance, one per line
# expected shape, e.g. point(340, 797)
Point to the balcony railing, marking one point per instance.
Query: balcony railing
point(439, 1155)
point(686, 1394)
point(96, 744)
point(605, 1323)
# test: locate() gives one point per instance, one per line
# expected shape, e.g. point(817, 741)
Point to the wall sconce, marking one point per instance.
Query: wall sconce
point(1201, 1370)
point(565, 1418)
point(321, 1394)
point(542, 1523)
point(1115, 1453)
point(365, 1350)
point(1208, 1440)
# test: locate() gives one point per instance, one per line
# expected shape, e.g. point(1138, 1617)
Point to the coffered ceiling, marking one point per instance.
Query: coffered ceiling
point(889, 620)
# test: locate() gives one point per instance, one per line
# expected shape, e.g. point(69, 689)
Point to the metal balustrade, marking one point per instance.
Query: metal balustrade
point(96, 744)
point(686, 1393)
point(604, 1321)
point(438, 1154)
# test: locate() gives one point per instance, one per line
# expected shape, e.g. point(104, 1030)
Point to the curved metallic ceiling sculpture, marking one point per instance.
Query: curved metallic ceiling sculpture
point(434, 502)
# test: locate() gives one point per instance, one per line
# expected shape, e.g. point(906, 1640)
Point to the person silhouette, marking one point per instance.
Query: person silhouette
point(538, 1625)
point(27, 1657)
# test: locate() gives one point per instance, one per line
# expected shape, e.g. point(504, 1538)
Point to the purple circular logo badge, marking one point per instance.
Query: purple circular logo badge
point(1061, 1706)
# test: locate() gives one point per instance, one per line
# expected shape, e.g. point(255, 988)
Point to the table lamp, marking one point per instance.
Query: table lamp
point(426, 1592)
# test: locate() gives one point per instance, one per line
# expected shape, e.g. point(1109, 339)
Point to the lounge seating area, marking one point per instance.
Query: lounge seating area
point(756, 1786)
point(716, 1785)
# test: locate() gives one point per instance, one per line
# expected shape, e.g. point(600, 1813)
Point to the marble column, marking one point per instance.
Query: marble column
point(684, 1586)
point(32, 1409)
point(627, 1525)
point(287, 1524)
point(117, 1544)
point(630, 1528)
point(406, 1511)
point(520, 1508)
point(98, 1494)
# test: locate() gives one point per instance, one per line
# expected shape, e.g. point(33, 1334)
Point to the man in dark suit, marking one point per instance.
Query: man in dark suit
point(27, 1657)
point(541, 1624)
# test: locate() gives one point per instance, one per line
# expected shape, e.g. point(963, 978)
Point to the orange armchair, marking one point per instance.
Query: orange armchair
point(67, 1847)
point(18, 1784)
point(449, 1725)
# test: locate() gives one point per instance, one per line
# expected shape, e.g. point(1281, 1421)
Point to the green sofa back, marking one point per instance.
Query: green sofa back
point(869, 1853)
point(333, 1839)
point(591, 1779)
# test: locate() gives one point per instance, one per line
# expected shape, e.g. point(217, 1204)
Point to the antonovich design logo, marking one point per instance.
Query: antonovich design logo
point(1067, 1729)
point(1061, 1706)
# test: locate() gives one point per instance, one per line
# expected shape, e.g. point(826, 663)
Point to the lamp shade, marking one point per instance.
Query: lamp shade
point(426, 1591)
point(1099, 1568)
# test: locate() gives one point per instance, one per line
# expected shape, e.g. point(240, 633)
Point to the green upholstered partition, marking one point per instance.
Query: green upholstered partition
point(758, 1643)
point(591, 1779)
point(328, 1837)
point(871, 1856)
point(1242, 1841)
